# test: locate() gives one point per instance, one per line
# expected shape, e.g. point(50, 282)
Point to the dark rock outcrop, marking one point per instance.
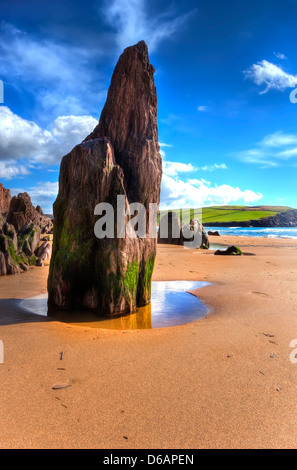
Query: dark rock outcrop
point(5, 199)
point(231, 251)
point(172, 233)
point(22, 211)
point(119, 158)
point(214, 234)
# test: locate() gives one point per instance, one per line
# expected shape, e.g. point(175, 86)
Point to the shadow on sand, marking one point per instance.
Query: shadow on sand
point(12, 313)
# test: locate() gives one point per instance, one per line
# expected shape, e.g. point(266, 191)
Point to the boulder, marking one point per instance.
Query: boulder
point(29, 239)
point(214, 234)
point(12, 266)
point(231, 251)
point(43, 253)
point(199, 232)
point(120, 157)
point(9, 258)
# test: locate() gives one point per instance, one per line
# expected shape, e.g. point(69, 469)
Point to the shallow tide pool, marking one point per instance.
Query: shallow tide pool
point(171, 305)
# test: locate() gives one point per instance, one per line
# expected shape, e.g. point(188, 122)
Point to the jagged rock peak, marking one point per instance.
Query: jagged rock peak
point(5, 199)
point(22, 211)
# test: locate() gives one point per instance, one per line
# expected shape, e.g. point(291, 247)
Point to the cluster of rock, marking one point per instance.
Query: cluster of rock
point(121, 157)
point(172, 232)
point(21, 210)
point(20, 233)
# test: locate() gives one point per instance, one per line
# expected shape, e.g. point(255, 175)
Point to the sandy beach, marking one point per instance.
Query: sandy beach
point(225, 381)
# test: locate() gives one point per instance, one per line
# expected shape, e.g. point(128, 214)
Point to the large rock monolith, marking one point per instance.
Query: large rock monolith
point(119, 158)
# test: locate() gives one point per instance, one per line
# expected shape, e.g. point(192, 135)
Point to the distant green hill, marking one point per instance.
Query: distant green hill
point(230, 214)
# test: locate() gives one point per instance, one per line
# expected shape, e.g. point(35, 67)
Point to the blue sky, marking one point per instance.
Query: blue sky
point(224, 74)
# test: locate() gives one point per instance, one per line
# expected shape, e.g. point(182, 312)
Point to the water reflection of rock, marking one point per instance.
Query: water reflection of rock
point(142, 319)
point(171, 305)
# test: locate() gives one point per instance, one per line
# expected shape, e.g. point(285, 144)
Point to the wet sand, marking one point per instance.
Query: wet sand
point(211, 383)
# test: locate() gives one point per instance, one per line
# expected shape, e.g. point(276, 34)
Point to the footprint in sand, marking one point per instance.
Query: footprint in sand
point(260, 293)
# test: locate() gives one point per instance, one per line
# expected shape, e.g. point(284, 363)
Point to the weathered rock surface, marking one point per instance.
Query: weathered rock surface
point(29, 239)
point(22, 211)
point(120, 157)
point(43, 253)
point(199, 232)
point(5, 199)
point(214, 234)
point(179, 235)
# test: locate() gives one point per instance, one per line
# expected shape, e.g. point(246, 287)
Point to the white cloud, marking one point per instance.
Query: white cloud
point(162, 144)
point(132, 23)
point(174, 168)
point(61, 78)
point(279, 139)
point(273, 150)
point(214, 167)
point(280, 56)
point(200, 182)
point(9, 170)
point(266, 73)
point(25, 140)
point(198, 193)
point(288, 153)
point(176, 193)
point(202, 108)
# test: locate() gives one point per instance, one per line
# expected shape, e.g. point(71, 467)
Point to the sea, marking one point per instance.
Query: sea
point(266, 232)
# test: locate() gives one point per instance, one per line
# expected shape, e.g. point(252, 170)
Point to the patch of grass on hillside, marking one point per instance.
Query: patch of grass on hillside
point(229, 213)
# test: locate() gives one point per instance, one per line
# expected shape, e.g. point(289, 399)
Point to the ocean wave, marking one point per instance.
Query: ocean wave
point(263, 232)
